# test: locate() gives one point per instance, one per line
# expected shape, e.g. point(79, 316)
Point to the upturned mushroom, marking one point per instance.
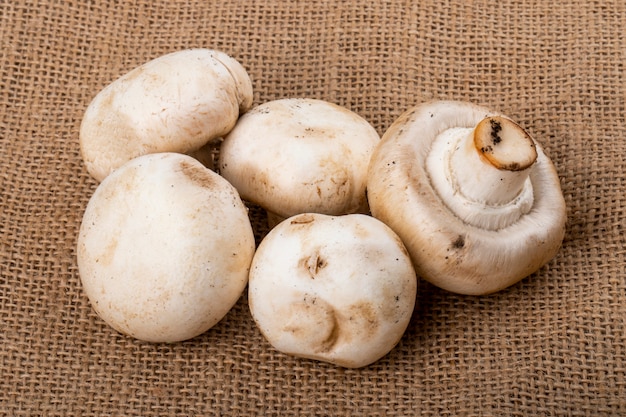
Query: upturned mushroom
point(338, 289)
point(178, 102)
point(164, 248)
point(300, 155)
point(472, 195)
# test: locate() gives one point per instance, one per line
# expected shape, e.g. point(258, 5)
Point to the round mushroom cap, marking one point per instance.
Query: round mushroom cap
point(164, 248)
point(175, 103)
point(300, 155)
point(338, 289)
point(448, 251)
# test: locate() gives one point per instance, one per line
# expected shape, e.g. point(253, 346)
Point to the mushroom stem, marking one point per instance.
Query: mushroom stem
point(482, 173)
point(492, 164)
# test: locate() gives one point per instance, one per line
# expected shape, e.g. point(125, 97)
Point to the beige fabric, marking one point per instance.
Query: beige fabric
point(554, 344)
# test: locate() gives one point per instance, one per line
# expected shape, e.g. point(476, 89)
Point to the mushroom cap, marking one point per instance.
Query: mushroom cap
point(175, 103)
point(447, 251)
point(164, 248)
point(300, 155)
point(339, 289)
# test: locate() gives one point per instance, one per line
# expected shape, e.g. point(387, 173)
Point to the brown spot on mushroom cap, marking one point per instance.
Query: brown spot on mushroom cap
point(302, 219)
point(100, 157)
point(197, 173)
point(313, 264)
point(459, 242)
point(108, 252)
point(394, 310)
point(313, 321)
point(361, 321)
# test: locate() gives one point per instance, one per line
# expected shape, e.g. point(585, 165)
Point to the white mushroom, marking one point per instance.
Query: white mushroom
point(300, 155)
point(473, 197)
point(175, 103)
point(339, 289)
point(164, 248)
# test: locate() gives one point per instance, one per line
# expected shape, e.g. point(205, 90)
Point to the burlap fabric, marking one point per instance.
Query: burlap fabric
point(554, 344)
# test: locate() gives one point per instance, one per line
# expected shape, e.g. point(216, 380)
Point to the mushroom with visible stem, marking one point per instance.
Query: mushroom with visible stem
point(164, 248)
point(300, 155)
point(472, 195)
point(338, 289)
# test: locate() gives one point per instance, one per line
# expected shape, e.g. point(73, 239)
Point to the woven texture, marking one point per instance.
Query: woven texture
point(554, 344)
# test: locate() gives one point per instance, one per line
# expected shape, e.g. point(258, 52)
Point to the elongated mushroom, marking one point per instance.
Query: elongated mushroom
point(300, 155)
point(178, 102)
point(164, 248)
point(472, 195)
point(338, 289)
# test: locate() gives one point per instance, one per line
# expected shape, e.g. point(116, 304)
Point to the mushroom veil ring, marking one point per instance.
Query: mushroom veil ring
point(474, 198)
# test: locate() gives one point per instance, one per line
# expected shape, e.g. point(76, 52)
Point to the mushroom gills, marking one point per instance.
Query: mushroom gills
point(482, 173)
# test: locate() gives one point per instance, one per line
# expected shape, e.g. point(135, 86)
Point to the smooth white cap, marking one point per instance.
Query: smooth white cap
point(164, 248)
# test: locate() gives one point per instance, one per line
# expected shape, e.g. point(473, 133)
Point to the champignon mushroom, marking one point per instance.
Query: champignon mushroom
point(164, 248)
point(473, 197)
point(300, 155)
point(175, 103)
point(338, 289)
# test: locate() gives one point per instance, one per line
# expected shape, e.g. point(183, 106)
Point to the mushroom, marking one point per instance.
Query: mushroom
point(472, 195)
point(178, 102)
point(164, 248)
point(338, 289)
point(300, 155)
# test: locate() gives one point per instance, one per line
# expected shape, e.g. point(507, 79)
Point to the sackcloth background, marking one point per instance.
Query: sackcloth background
point(552, 345)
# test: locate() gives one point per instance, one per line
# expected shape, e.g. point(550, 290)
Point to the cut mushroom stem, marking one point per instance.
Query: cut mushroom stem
point(484, 170)
point(504, 144)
